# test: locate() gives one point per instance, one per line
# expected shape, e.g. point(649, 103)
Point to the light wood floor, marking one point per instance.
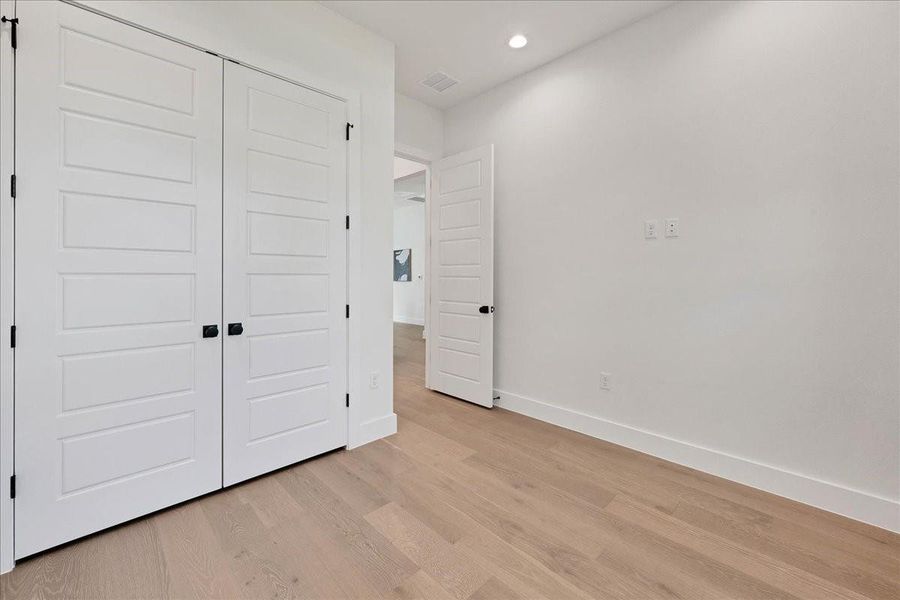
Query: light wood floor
point(466, 502)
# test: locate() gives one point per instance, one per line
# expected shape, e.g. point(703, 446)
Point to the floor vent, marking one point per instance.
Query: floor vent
point(439, 81)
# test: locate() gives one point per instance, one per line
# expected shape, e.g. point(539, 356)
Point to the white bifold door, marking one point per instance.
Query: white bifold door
point(118, 268)
point(133, 308)
point(461, 323)
point(285, 273)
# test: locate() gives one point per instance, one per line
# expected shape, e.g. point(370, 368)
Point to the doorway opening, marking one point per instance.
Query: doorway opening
point(409, 271)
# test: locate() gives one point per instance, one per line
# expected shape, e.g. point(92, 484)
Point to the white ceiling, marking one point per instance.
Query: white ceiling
point(467, 39)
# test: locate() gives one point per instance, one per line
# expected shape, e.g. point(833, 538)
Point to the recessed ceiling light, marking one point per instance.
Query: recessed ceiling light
point(518, 41)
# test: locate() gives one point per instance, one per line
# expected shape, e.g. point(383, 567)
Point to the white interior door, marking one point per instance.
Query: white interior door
point(118, 268)
point(285, 273)
point(461, 325)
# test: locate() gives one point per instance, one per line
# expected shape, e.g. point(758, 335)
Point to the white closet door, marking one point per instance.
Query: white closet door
point(461, 350)
point(118, 267)
point(285, 273)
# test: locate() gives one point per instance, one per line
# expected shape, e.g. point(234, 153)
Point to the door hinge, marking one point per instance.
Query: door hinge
point(349, 127)
point(348, 400)
point(12, 336)
point(348, 221)
point(348, 311)
point(12, 34)
point(12, 185)
point(12, 486)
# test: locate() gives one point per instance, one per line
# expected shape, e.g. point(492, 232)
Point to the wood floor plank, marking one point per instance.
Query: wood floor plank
point(384, 565)
point(494, 589)
point(350, 487)
point(374, 466)
point(794, 581)
point(817, 561)
point(193, 555)
point(433, 554)
point(421, 587)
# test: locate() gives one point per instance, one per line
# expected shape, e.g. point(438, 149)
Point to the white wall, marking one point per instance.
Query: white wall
point(762, 344)
point(409, 232)
point(418, 127)
point(308, 42)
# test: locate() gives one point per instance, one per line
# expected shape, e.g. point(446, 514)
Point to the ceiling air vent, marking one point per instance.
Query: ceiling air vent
point(439, 81)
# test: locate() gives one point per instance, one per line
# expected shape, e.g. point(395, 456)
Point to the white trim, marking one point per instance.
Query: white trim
point(414, 154)
point(852, 503)
point(7, 228)
point(354, 274)
point(375, 429)
point(409, 320)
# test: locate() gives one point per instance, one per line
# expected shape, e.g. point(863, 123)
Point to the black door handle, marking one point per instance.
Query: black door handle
point(486, 309)
point(235, 329)
point(210, 331)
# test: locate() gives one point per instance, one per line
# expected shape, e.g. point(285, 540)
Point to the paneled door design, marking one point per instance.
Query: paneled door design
point(118, 252)
point(285, 273)
point(461, 359)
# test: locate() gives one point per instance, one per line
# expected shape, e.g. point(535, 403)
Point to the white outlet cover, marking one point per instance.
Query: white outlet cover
point(651, 229)
point(604, 381)
point(671, 228)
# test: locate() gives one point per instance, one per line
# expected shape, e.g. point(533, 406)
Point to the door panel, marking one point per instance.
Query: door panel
point(460, 352)
point(285, 273)
point(118, 250)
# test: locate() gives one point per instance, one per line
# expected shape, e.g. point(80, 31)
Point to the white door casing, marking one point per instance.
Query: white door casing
point(460, 339)
point(285, 275)
point(118, 251)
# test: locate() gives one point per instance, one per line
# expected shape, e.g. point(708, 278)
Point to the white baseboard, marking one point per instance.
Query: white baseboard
point(855, 504)
point(375, 429)
point(409, 320)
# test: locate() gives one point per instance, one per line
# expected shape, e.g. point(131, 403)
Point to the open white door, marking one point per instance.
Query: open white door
point(461, 324)
point(118, 270)
point(285, 273)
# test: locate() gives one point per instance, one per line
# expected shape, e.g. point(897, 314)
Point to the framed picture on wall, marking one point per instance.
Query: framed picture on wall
point(402, 265)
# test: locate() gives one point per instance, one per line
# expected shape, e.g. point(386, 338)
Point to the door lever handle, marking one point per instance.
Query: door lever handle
point(210, 331)
point(486, 309)
point(235, 329)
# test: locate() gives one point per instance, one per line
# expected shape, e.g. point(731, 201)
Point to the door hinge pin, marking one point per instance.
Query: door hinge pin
point(348, 311)
point(349, 127)
point(348, 400)
point(12, 486)
point(12, 185)
point(348, 221)
point(12, 336)
point(12, 34)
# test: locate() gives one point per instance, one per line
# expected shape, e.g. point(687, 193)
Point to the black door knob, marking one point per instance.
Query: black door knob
point(210, 331)
point(486, 309)
point(235, 329)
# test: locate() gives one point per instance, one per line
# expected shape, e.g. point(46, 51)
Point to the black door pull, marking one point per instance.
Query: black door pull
point(486, 309)
point(235, 329)
point(210, 331)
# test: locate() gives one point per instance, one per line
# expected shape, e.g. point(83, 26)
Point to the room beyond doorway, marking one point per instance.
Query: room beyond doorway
point(409, 242)
point(410, 259)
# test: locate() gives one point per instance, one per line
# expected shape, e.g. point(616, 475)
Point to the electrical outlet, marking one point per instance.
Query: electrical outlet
point(671, 228)
point(604, 381)
point(651, 229)
point(374, 379)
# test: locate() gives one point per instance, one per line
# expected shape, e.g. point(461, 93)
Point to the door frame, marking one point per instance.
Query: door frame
point(295, 75)
point(426, 158)
point(7, 231)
